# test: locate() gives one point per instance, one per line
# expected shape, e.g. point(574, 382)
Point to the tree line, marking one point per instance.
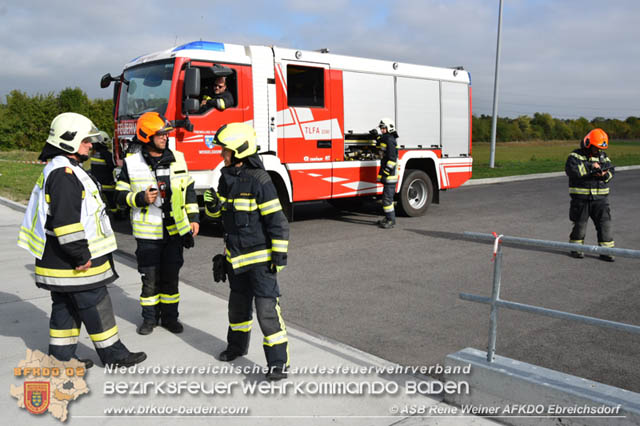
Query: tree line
point(25, 120)
point(544, 127)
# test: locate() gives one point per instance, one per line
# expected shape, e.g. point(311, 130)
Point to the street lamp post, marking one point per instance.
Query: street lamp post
point(494, 119)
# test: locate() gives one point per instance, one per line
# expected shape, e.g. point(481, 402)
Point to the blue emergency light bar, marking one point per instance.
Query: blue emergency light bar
point(201, 45)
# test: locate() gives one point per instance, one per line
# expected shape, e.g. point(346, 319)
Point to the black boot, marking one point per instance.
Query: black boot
point(130, 360)
point(146, 327)
point(387, 223)
point(229, 355)
point(275, 374)
point(173, 326)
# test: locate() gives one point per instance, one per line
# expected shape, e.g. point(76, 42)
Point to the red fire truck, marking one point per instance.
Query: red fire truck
point(312, 112)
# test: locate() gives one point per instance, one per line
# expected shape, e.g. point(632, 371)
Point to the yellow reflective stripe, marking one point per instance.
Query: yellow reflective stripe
point(609, 244)
point(578, 156)
point(594, 159)
point(72, 273)
point(174, 229)
point(68, 229)
point(108, 186)
point(123, 186)
point(142, 180)
point(280, 246)
point(150, 301)
point(388, 208)
point(98, 337)
point(169, 298)
point(587, 191)
point(192, 208)
point(577, 241)
point(245, 204)
point(245, 327)
point(391, 163)
point(249, 258)
point(131, 199)
point(25, 241)
point(210, 214)
point(31, 234)
point(581, 169)
point(383, 145)
point(71, 332)
point(269, 207)
point(276, 338)
point(98, 160)
point(392, 178)
point(47, 198)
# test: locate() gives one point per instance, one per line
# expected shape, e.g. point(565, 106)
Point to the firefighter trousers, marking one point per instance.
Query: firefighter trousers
point(159, 263)
point(599, 211)
point(388, 192)
point(92, 308)
point(261, 285)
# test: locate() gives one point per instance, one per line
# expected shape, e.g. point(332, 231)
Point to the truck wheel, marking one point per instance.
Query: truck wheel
point(416, 193)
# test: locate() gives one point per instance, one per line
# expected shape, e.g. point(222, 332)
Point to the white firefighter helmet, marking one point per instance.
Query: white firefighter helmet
point(69, 129)
point(104, 137)
point(388, 123)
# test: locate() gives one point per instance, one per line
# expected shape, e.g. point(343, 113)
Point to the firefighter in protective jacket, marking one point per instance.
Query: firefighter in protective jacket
point(67, 229)
point(590, 171)
point(155, 184)
point(102, 167)
point(388, 170)
point(256, 239)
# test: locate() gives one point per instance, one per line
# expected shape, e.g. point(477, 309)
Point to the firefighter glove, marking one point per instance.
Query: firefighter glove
point(210, 199)
point(276, 268)
point(219, 268)
point(278, 262)
point(188, 241)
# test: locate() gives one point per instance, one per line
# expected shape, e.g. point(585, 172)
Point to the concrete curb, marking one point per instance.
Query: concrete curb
point(541, 395)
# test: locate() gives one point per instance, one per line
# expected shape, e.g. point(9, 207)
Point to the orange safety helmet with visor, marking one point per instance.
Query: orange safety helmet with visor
point(151, 124)
point(597, 138)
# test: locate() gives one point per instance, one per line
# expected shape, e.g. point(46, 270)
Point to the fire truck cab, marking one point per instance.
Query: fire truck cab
point(312, 112)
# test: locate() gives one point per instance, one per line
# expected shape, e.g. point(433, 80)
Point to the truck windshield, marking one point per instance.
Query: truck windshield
point(145, 88)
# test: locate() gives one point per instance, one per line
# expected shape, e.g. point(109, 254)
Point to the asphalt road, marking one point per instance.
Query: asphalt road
point(394, 293)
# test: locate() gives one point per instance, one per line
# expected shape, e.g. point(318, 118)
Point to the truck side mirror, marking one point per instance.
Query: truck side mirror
point(190, 106)
point(191, 83)
point(106, 80)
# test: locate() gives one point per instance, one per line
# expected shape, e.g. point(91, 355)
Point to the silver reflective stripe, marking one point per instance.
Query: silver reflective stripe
point(69, 238)
point(74, 281)
point(108, 342)
point(63, 341)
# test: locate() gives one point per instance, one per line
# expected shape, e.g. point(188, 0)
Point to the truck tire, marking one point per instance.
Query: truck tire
point(416, 193)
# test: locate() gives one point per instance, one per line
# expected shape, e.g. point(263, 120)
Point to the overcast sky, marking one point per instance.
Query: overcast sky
point(570, 58)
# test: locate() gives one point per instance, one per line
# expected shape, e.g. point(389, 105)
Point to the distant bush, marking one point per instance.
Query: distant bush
point(25, 120)
point(544, 127)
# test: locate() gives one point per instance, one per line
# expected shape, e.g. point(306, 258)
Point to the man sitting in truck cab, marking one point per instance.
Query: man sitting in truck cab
point(221, 98)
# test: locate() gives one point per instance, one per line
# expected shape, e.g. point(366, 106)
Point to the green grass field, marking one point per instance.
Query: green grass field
point(512, 158)
point(17, 179)
point(521, 158)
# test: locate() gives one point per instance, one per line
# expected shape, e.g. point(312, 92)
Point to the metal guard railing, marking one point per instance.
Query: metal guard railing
point(496, 302)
